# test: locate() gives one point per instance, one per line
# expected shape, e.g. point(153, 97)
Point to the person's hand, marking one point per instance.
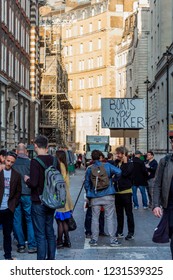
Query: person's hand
point(2, 167)
point(26, 178)
point(157, 211)
point(124, 159)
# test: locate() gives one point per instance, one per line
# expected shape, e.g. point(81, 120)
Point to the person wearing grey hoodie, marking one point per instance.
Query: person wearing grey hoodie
point(23, 210)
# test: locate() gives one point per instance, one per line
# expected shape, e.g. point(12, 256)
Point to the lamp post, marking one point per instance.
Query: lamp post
point(98, 126)
point(168, 55)
point(147, 82)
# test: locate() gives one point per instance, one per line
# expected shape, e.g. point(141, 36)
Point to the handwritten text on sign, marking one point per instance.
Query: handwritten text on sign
point(123, 113)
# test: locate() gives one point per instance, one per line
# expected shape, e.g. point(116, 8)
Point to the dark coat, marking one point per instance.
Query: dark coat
point(152, 168)
point(140, 174)
point(15, 189)
point(125, 181)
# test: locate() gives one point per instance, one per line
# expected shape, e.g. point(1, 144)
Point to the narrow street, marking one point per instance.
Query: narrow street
point(141, 248)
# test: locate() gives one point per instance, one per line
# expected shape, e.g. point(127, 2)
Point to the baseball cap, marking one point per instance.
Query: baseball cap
point(137, 152)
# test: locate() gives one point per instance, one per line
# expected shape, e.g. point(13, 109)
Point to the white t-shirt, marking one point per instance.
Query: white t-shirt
point(7, 177)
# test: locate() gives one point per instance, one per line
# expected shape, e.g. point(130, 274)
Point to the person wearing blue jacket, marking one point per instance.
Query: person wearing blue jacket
point(104, 197)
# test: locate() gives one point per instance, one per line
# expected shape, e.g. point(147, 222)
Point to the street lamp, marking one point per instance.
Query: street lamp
point(147, 82)
point(98, 126)
point(168, 55)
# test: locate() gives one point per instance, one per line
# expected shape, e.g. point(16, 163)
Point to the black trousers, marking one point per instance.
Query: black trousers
point(6, 219)
point(124, 202)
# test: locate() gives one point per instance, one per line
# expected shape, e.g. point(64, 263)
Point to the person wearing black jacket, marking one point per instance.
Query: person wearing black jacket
point(123, 196)
point(42, 216)
point(151, 166)
point(139, 181)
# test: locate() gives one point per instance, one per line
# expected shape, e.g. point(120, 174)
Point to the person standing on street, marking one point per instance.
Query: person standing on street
point(42, 216)
point(10, 192)
point(62, 215)
point(22, 166)
point(123, 196)
point(139, 178)
point(151, 166)
point(104, 197)
point(163, 192)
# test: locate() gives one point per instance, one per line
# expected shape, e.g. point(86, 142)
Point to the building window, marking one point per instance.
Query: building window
point(99, 100)
point(81, 102)
point(81, 83)
point(81, 48)
point(4, 11)
point(99, 80)
point(90, 102)
point(90, 46)
point(119, 8)
point(99, 43)
point(71, 50)
point(101, 9)
point(99, 24)
point(70, 67)
point(90, 121)
point(91, 82)
point(67, 33)
point(70, 33)
point(3, 115)
point(90, 27)
point(83, 15)
point(81, 30)
point(92, 63)
point(3, 57)
point(81, 65)
point(99, 61)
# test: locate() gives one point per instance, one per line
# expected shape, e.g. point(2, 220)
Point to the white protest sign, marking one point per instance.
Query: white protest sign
point(123, 113)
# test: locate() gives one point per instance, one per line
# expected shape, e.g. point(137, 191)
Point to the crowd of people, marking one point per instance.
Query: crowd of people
point(111, 187)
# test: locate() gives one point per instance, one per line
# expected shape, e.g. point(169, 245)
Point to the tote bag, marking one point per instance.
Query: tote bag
point(161, 232)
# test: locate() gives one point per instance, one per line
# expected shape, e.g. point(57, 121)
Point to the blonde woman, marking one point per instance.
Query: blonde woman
point(62, 215)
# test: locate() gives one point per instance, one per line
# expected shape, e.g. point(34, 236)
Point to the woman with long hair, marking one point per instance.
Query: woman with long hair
point(63, 214)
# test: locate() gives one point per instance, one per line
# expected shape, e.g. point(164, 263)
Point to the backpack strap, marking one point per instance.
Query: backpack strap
point(40, 162)
point(44, 165)
point(55, 161)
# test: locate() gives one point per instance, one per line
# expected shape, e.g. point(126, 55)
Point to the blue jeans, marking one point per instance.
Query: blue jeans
point(43, 218)
point(24, 207)
point(143, 194)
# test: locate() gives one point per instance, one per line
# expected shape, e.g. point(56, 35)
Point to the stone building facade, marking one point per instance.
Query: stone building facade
point(89, 49)
point(16, 113)
point(160, 69)
point(132, 56)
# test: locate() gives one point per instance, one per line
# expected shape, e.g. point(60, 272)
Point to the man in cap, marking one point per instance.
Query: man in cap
point(139, 179)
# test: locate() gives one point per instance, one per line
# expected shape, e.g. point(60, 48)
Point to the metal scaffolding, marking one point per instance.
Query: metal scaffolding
point(54, 117)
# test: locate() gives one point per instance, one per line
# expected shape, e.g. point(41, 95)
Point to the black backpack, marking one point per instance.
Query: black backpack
point(99, 177)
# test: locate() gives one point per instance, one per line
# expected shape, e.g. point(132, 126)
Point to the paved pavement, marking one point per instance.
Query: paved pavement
point(141, 248)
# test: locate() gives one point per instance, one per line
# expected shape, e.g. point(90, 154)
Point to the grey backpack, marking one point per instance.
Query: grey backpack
point(54, 191)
